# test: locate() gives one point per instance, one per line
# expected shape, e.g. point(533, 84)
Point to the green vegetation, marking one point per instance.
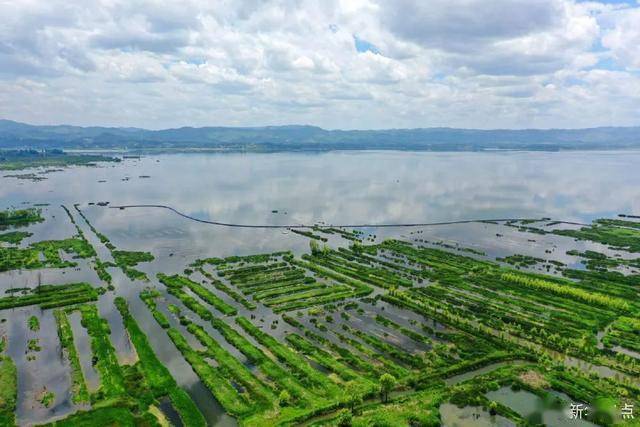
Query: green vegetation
point(157, 375)
point(126, 260)
point(415, 336)
point(20, 217)
point(386, 348)
point(588, 297)
point(23, 159)
point(12, 258)
point(104, 355)
point(255, 394)
point(526, 261)
point(33, 345)
point(252, 259)
point(608, 233)
point(65, 334)
point(618, 222)
point(309, 234)
point(33, 323)
point(51, 296)
point(8, 391)
point(104, 239)
point(176, 283)
point(46, 398)
point(600, 262)
point(284, 283)
point(251, 398)
point(80, 248)
point(227, 290)
point(297, 393)
point(418, 409)
point(311, 377)
point(103, 417)
point(372, 334)
point(215, 380)
point(14, 237)
point(625, 332)
point(127, 392)
point(352, 235)
point(387, 383)
point(552, 312)
point(98, 265)
point(457, 247)
point(101, 270)
point(149, 297)
point(327, 360)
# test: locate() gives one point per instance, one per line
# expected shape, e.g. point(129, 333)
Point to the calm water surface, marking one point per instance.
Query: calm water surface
point(355, 186)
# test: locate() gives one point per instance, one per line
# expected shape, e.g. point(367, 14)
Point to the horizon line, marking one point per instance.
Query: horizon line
point(293, 125)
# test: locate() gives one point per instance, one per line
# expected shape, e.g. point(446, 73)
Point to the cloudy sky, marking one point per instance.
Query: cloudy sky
point(336, 64)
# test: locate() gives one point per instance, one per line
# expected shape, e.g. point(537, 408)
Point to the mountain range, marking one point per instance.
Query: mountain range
point(16, 135)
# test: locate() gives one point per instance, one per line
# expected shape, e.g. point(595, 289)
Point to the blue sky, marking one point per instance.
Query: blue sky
point(364, 46)
point(616, 2)
point(336, 64)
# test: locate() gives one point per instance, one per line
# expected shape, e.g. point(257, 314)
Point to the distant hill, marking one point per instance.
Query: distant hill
point(310, 138)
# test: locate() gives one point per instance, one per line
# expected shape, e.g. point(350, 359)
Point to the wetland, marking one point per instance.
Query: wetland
point(139, 316)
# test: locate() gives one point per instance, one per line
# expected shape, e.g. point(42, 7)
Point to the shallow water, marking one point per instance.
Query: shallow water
point(82, 341)
point(470, 416)
point(170, 412)
point(534, 409)
point(456, 379)
point(355, 186)
point(47, 369)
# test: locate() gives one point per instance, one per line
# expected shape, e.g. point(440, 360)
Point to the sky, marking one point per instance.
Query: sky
point(351, 64)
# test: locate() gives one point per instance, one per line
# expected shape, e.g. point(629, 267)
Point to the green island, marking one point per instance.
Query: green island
point(13, 160)
point(125, 260)
point(33, 323)
point(14, 237)
point(609, 233)
point(46, 398)
point(65, 334)
point(51, 296)
point(19, 217)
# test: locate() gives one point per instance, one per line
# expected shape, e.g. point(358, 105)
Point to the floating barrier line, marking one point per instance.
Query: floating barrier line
point(417, 224)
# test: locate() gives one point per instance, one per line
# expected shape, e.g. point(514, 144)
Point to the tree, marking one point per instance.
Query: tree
point(493, 407)
point(315, 247)
point(354, 396)
point(387, 383)
point(285, 398)
point(345, 418)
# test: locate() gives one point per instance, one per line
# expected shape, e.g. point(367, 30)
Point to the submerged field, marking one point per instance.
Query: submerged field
point(360, 332)
point(108, 318)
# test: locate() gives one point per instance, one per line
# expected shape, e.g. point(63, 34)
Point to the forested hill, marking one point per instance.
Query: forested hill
point(311, 138)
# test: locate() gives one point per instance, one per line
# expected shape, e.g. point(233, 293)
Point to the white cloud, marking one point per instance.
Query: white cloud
point(624, 38)
point(467, 24)
point(439, 63)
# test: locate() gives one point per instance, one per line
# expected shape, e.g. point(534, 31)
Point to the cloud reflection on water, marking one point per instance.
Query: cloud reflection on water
point(369, 187)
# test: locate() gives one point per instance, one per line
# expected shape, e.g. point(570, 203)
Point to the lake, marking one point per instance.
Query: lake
point(374, 187)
